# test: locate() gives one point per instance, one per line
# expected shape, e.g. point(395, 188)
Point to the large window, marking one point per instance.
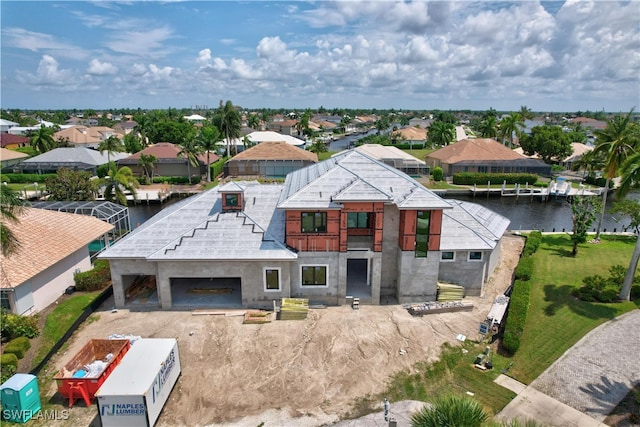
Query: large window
point(475, 256)
point(314, 275)
point(314, 222)
point(422, 234)
point(272, 279)
point(358, 220)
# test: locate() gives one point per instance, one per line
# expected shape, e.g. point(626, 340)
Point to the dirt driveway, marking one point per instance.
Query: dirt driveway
point(310, 370)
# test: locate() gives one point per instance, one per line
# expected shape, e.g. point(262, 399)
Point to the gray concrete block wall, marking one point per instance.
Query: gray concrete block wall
point(417, 277)
point(128, 267)
point(470, 274)
point(329, 294)
point(389, 267)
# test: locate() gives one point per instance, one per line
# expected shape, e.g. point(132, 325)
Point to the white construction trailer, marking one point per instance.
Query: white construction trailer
point(136, 391)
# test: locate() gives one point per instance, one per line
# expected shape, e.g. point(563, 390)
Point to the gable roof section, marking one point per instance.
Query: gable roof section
point(469, 226)
point(196, 229)
point(74, 155)
point(411, 133)
point(354, 176)
point(266, 136)
point(474, 149)
point(47, 237)
point(11, 155)
point(9, 138)
point(166, 152)
point(276, 150)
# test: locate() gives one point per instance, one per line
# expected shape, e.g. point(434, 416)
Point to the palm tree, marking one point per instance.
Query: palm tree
point(265, 117)
point(630, 172)
point(450, 411)
point(318, 147)
point(120, 180)
point(190, 149)
point(525, 113)
point(303, 123)
point(42, 139)
point(253, 121)
point(510, 125)
point(111, 145)
point(489, 127)
point(143, 127)
point(147, 162)
point(228, 120)
point(207, 140)
point(617, 141)
point(441, 133)
point(10, 208)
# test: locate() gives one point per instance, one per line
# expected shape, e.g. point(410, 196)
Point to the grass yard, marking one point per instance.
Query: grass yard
point(556, 320)
point(60, 320)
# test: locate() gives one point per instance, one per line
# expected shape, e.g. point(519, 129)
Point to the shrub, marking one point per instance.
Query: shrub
point(516, 316)
point(8, 361)
point(175, 179)
point(438, 173)
point(18, 346)
point(14, 325)
point(26, 178)
point(450, 410)
point(533, 243)
point(95, 279)
point(217, 168)
point(524, 270)
point(481, 178)
point(597, 288)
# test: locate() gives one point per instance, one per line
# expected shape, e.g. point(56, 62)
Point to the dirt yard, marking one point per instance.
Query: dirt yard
point(311, 371)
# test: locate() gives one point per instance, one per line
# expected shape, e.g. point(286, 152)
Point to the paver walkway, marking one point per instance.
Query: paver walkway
point(593, 376)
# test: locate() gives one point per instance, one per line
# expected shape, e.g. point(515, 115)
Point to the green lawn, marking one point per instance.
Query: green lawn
point(556, 320)
point(59, 321)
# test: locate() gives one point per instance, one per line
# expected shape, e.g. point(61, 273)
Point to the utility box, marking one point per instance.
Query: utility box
point(20, 398)
point(136, 391)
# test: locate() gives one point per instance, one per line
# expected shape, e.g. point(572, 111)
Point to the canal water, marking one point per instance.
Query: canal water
point(525, 214)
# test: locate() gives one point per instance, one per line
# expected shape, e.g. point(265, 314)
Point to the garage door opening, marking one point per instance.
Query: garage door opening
point(140, 290)
point(214, 292)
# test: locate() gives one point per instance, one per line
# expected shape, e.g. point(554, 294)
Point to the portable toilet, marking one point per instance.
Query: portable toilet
point(20, 398)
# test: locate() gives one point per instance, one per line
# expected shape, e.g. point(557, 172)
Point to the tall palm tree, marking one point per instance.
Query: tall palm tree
point(10, 208)
point(147, 162)
point(617, 141)
point(253, 121)
point(265, 117)
point(142, 128)
point(42, 139)
point(190, 149)
point(510, 125)
point(630, 172)
point(120, 180)
point(489, 127)
point(111, 145)
point(526, 113)
point(229, 122)
point(207, 140)
point(441, 133)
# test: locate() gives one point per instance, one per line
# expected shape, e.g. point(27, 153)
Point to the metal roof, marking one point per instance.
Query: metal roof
point(354, 176)
point(469, 226)
point(197, 229)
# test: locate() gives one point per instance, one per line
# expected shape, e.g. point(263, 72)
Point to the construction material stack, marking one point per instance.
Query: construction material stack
point(449, 292)
point(136, 392)
point(90, 368)
point(294, 309)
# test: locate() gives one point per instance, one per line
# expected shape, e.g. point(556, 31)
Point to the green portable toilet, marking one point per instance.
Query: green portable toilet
point(20, 398)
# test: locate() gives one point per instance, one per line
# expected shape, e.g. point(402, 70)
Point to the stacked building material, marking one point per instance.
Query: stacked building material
point(294, 309)
point(450, 292)
point(256, 317)
point(420, 309)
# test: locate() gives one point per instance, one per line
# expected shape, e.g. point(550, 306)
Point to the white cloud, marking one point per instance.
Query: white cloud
point(48, 73)
point(98, 68)
point(204, 56)
point(141, 43)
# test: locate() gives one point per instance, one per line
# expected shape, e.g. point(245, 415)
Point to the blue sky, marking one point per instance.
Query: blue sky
point(549, 56)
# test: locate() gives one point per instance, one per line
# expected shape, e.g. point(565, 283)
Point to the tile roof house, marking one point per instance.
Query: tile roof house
point(285, 127)
point(125, 128)
point(266, 136)
point(8, 140)
point(77, 158)
point(10, 157)
point(86, 136)
point(270, 160)
point(168, 163)
point(349, 226)
point(483, 155)
point(395, 157)
point(53, 246)
point(409, 135)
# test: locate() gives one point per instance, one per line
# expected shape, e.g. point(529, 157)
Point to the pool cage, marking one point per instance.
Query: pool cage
point(112, 213)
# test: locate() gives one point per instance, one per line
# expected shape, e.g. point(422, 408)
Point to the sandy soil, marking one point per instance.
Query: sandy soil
point(288, 372)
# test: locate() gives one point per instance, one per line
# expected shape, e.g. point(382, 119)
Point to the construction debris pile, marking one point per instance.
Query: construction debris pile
point(431, 307)
point(294, 309)
point(449, 292)
point(143, 287)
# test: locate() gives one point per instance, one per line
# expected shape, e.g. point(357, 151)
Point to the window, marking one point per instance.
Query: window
point(448, 256)
point(358, 220)
point(314, 275)
point(4, 300)
point(475, 256)
point(314, 222)
point(231, 199)
point(272, 279)
point(422, 234)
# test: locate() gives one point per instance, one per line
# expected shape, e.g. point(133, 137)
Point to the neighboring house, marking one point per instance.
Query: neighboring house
point(9, 158)
point(579, 150)
point(76, 158)
point(125, 128)
point(10, 141)
point(268, 136)
point(195, 118)
point(270, 160)
point(53, 247)
point(86, 136)
point(168, 163)
point(5, 125)
point(483, 155)
point(409, 135)
point(24, 130)
point(285, 127)
point(395, 157)
point(349, 226)
point(588, 123)
point(420, 122)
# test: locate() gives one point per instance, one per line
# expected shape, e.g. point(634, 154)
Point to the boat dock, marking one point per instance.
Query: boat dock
point(557, 188)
